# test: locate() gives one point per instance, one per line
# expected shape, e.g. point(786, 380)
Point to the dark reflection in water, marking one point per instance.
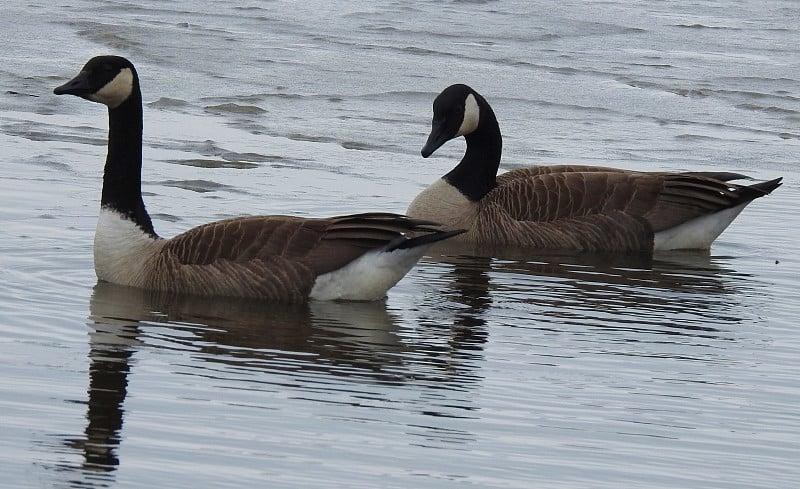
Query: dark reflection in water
point(470, 288)
point(359, 342)
point(687, 295)
point(349, 339)
point(682, 293)
point(112, 342)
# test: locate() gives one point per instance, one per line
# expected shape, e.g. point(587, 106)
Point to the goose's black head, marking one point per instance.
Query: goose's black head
point(109, 80)
point(456, 112)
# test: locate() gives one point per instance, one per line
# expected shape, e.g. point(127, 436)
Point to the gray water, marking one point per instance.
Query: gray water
point(546, 371)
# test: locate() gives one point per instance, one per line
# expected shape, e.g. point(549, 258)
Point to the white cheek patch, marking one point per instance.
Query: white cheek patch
point(116, 91)
point(472, 114)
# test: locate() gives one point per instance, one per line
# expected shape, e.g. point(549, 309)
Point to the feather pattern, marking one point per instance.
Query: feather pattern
point(569, 207)
point(272, 257)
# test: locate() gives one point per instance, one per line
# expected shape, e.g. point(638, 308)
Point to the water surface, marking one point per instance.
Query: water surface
point(517, 372)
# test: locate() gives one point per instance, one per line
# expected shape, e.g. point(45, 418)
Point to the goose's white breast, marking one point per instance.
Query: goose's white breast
point(123, 253)
point(444, 204)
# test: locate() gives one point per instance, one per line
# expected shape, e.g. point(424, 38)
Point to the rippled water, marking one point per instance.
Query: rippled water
point(540, 371)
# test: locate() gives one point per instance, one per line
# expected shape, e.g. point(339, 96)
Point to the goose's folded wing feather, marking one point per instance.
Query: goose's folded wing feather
point(664, 200)
point(322, 245)
point(272, 257)
point(536, 195)
point(531, 171)
point(611, 231)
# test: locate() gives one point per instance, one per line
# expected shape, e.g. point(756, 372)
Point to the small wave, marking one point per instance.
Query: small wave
point(106, 35)
point(199, 186)
point(160, 216)
point(46, 162)
point(232, 108)
point(683, 92)
point(420, 51)
point(696, 137)
point(284, 96)
point(218, 157)
point(206, 163)
point(360, 146)
point(248, 7)
point(688, 92)
point(310, 139)
point(12, 92)
point(703, 26)
point(166, 102)
point(48, 132)
point(773, 109)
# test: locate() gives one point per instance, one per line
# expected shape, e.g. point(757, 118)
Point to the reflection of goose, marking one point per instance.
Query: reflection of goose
point(678, 293)
point(295, 345)
point(360, 335)
point(280, 258)
point(112, 343)
point(241, 331)
point(568, 207)
point(292, 343)
point(470, 286)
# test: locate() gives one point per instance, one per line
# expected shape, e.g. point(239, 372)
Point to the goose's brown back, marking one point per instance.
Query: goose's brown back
point(276, 258)
point(596, 208)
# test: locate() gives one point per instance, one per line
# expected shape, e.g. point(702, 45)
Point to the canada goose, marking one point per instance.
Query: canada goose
point(580, 208)
point(279, 258)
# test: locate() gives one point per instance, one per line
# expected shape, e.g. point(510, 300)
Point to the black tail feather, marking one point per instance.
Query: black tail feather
point(406, 243)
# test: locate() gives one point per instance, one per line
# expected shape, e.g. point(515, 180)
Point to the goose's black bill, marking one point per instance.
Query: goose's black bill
point(440, 134)
point(80, 86)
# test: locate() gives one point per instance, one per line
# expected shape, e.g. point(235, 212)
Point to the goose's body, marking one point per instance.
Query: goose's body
point(279, 258)
point(565, 207)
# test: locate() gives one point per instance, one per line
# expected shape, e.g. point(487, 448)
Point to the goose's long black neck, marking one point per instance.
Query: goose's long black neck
point(122, 179)
point(476, 174)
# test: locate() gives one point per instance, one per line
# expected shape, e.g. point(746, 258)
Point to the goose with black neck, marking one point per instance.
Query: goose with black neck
point(276, 258)
point(568, 207)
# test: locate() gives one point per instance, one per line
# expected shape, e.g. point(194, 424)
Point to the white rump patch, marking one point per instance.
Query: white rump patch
point(121, 249)
point(116, 91)
point(697, 234)
point(472, 114)
point(368, 277)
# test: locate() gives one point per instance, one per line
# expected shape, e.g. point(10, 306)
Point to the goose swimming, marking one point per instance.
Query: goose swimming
point(568, 207)
point(277, 258)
